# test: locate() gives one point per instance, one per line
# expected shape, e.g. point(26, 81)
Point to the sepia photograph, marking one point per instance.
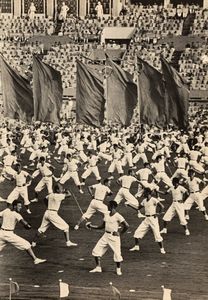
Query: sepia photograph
point(103, 149)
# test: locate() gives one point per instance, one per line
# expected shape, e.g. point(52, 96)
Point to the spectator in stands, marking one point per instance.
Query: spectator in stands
point(99, 10)
point(64, 11)
point(31, 11)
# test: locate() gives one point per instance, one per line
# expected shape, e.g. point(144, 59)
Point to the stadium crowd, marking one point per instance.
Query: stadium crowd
point(152, 23)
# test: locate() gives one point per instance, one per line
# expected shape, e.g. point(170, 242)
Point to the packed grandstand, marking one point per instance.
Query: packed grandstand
point(179, 33)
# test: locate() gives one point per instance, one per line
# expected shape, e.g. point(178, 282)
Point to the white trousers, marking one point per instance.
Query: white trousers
point(108, 241)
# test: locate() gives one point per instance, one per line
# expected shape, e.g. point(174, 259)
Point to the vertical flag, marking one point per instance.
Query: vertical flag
point(63, 289)
point(47, 92)
point(151, 93)
point(166, 293)
point(90, 101)
point(13, 288)
point(121, 94)
point(17, 94)
point(177, 95)
point(115, 291)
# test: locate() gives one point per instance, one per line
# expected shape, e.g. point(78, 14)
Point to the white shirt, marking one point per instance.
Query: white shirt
point(10, 219)
point(128, 148)
point(127, 180)
point(9, 160)
point(194, 155)
point(100, 191)
point(44, 170)
point(117, 154)
point(21, 178)
point(194, 184)
point(103, 147)
point(150, 206)
point(144, 174)
point(177, 193)
point(182, 162)
point(71, 164)
point(204, 150)
point(112, 222)
point(140, 148)
point(93, 161)
point(80, 146)
point(159, 166)
point(54, 201)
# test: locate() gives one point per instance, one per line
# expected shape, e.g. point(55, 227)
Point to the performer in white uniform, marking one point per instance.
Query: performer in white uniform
point(195, 195)
point(111, 238)
point(70, 171)
point(123, 193)
point(177, 207)
point(182, 165)
point(151, 221)
point(11, 216)
point(51, 216)
point(9, 160)
point(161, 175)
point(116, 162)
point(43, 168)
point(21, 188)
point(92, 167)
point(100, 192)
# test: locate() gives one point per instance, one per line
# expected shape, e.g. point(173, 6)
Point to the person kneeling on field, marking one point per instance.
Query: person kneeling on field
point(111, 237)
point(11, 216)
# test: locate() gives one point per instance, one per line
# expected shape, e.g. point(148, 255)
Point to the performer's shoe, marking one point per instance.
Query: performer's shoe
point(135, 248)
point(34, 200)
point(96, 270)
point(70, 244)
point(29, 211)
point(164, 230)
point(39, 261)
point(206, 217)
point(118, 271)
point(162, 250)
point(187, 217)
point(33, 244)
point(140, 215)
point(76, 227)
point(187, 232)
point(81, 191)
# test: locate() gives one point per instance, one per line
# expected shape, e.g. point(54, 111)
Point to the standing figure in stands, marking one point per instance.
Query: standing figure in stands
point(99, 10)
point(64, 11)
point(31, 11)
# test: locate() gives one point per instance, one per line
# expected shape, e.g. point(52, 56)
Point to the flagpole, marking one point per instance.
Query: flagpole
point(60, 280)
point(106, 93)
point(137, 83)
point(10, 289)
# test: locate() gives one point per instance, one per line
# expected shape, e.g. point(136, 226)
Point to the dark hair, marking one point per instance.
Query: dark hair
point(15, 202)
point(112, 204)
point(56, 188)
point(106, 180)
point(147, 191)
point(175, 180)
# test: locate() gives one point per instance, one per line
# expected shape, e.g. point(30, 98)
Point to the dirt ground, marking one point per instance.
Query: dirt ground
point(183, 268)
